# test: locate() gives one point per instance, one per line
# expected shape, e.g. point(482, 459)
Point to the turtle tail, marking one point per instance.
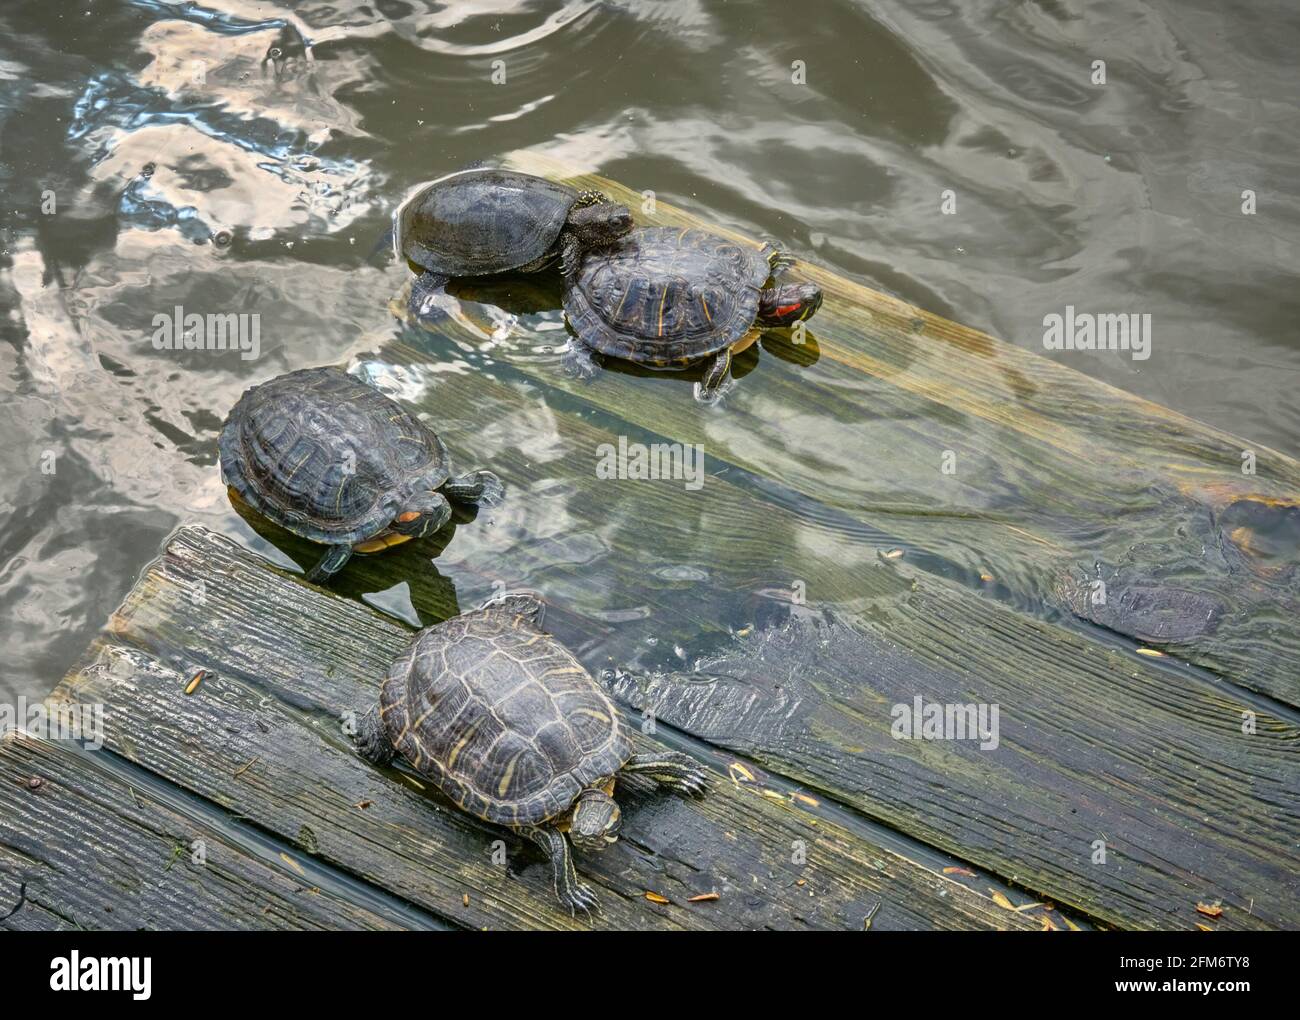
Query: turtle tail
point(372, 739)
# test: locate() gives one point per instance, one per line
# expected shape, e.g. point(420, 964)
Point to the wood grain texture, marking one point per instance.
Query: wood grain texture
point(1093, 746)
point(83, 851)
point(261, 738)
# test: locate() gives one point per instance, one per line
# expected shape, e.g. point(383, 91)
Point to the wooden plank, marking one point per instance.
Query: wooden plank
point(1092, 747)
point(638, 529)
point(80, 849)
point(260, 737)
point(1055, 472)
point(624, 534)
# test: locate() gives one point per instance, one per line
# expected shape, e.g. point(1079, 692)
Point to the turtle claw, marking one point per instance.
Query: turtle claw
point(581, 897)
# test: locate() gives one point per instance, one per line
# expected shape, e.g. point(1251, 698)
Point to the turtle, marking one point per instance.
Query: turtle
point(503, 719)
point(488, 221)
point(668, 298)
point(333, 460)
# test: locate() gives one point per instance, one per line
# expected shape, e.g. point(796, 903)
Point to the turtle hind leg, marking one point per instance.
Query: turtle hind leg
point(671, 770)
point(372, 739)
point(424, 290)
point(477, 488)
point(569, 891)
point(578, 360)
point(329, 564)
point(715, 378)
point(522, 603)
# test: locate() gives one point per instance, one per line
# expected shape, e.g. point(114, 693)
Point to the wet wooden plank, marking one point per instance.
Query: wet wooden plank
point(627, 535)
point(81, 850)
point(261, 737)
point(1055, 473)
point(1094, 750)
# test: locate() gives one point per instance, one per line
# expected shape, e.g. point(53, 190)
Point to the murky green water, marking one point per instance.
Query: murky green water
point(160, 132)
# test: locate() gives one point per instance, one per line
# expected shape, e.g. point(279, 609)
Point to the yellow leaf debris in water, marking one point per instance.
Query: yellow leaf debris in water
point(465, 899)
point(959, 871)
point(702, 898)
point(803, 798)
point(197, 679)
point(1210, 909)
point(736, 769)
point(1047, 924)
point(773, 795)
point(654, 897)
point(986, 577)
point(293, 864)
point(1204, 927)
point(1072, 926)
point(893, 554)
point(1151, 652)
point(1001, 900)
point(1029, 906)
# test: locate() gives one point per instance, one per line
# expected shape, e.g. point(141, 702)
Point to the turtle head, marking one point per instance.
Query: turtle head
point(596, 821)
point(788, 303)
point(601, 224)
point(422, 514)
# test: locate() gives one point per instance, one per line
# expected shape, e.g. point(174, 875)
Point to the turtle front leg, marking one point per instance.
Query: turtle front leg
point(671, 770)
point(477, 488)
point(329, 564)
point(424, 289)
point(570, 256)
point(577, 361)
point(571, 893)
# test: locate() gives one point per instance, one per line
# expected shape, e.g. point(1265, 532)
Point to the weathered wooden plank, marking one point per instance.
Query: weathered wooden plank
point(79, 849)
point(1092, 747)
point(752, 551)
point(260, 737)
point(1054, 471)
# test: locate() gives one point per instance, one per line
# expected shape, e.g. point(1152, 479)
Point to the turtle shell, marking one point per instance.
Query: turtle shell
point(480, 222)
point(501, 717)
point(328, 457)
point(665, 297)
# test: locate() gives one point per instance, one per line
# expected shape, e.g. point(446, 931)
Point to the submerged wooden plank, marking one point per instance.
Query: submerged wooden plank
point(81, 850)
point(260, 737)
point(1107, 788)
point(1054, 472)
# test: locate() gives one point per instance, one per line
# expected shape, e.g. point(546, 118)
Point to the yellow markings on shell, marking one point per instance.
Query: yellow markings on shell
point(598, 716)
point(503, 787)
point(460, 746)
point(705, 305)
point(663, 298)
point(305, 458)
point(564, 671)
